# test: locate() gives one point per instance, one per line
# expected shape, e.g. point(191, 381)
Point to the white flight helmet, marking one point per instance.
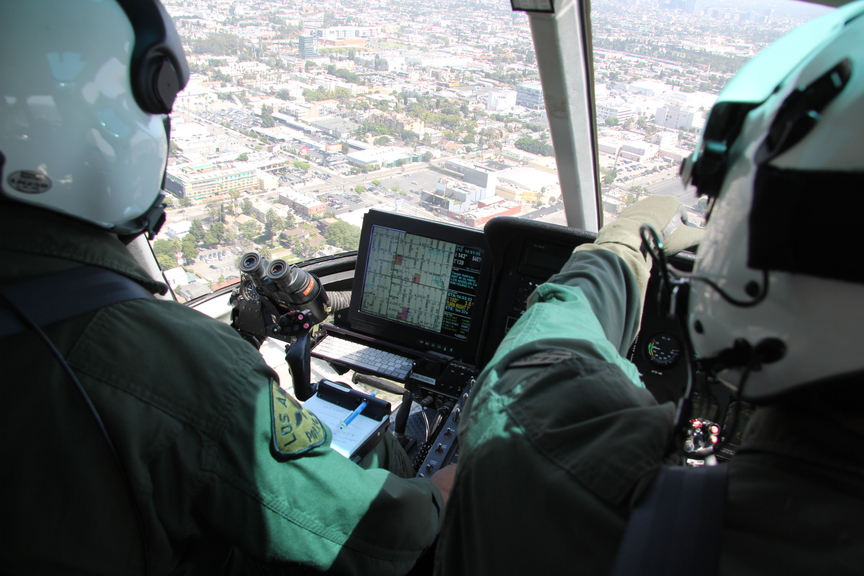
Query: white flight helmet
point(779, 295)
point(85, 89)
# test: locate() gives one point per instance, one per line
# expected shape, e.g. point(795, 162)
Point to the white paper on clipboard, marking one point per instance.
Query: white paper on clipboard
point(346, 441)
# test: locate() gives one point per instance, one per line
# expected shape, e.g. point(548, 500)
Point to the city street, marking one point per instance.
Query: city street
point(674, 187)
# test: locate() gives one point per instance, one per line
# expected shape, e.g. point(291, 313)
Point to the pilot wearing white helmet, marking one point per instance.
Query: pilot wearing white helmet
point(144, 437)
point(561, 439)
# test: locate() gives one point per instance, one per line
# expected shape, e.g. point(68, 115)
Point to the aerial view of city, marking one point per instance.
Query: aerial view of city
point(300, 116)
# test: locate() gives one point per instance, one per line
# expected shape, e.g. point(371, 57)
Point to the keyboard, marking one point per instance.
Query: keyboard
point(363, 358)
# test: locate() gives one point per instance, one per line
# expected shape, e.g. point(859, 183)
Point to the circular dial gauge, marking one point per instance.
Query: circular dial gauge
point(250, 292)
point(662, 350)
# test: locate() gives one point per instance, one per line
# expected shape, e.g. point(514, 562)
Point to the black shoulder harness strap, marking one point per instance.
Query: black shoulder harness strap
point(676, 528)
point(55, 297)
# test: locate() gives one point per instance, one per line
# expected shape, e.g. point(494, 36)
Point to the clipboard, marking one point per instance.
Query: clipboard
point(332, 403)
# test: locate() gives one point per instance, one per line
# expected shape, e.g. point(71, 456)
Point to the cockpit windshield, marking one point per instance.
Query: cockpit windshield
point(300, 117)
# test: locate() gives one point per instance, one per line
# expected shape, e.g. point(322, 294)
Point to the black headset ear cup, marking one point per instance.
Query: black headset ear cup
point(166, 84)
point(157, 84)
point(158, 66)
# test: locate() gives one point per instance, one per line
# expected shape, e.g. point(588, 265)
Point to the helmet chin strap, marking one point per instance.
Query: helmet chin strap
point(152, 220)
point(148, 223)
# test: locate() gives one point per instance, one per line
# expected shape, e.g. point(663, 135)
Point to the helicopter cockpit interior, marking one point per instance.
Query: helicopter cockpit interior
point(425, 279)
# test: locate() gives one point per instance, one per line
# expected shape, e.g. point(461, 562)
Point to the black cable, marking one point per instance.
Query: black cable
point(660, 257)
point(729, 431)
point(758, 298)
point(93, 412)
point(653, 245)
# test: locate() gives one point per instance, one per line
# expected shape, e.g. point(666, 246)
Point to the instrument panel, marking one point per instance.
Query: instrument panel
point(527, 253)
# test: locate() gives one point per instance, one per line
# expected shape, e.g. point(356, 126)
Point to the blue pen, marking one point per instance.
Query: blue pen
point(350, 418)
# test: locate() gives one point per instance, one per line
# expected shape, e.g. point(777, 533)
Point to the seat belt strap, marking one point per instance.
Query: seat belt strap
point(65, 294)
point(676, 528)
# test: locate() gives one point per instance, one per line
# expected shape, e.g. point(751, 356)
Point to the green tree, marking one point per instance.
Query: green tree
point(301, 247)
point(218, 43)
point(166, 252)
point(376, 182)
point(218, 230)
point(250, 229)
point(381, 141)
point(210, 239)
point(611, 121)
point(216, 212)
point(273, 223)
point(196, 230)
point(301, 165)
point(534, 147)
point(343, 235)
point(234, 194)
point(189, 247)
point(243, 157)
point(230, 236)
point(184, 202)
point(267, 120)
point(428, 156)
point(247, 207)
point(166, 262)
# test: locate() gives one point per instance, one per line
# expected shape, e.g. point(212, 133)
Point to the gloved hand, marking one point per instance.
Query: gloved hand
point(663, 213)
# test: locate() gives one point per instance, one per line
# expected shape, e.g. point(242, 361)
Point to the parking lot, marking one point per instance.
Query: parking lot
point(218, 262)
point(422, 180)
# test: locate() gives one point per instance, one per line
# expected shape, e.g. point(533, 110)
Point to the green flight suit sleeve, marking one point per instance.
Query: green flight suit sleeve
point(193, 414)
point(591, 307)
point(317, 508)
point(547, 440)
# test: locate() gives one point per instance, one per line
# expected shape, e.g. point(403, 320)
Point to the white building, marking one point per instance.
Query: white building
point(383, 157)
point(501, 100)
point(620, 111)
point(347, 32)
point(177, 229)
point(527, 185)
point(649, 88)
point(675, 117)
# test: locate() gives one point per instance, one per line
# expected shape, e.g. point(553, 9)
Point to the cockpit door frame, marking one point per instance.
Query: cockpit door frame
point(562, 43)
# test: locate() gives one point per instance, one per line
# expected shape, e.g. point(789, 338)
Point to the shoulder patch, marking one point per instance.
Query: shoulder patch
point(544, 358)
point(296, 430)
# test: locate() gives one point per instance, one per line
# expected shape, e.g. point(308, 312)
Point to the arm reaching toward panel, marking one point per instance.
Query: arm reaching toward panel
point(665, 214)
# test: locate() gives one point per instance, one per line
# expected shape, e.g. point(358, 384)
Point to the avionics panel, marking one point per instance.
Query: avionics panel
point(420, 284)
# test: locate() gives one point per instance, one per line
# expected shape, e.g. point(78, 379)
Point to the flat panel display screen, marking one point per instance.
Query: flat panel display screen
point(421, 284)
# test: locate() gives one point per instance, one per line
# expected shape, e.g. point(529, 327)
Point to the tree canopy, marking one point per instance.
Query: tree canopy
point(343, 235)
point(534, 147)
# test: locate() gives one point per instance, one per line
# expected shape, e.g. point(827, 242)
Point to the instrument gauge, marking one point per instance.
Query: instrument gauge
point(662, 351)
point(250, 292)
